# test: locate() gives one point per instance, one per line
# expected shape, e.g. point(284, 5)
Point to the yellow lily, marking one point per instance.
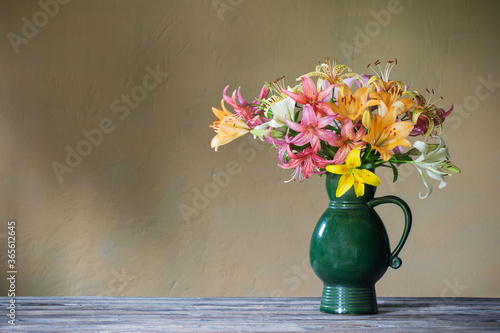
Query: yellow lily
point(351, 175)
point(228, 127)
point(332, 72)
point(386, 134)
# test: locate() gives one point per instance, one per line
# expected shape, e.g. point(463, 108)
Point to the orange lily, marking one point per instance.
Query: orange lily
point(351, 105)
point(381, 81)
point(382, 85)
point(228, 127)
point(387, 100)
point(386, 133)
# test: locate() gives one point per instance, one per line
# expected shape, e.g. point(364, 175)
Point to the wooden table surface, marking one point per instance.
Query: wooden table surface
point(139, 314)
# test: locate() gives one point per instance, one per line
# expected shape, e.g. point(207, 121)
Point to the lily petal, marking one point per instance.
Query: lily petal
point(322, 95)
point(359, 187)
point(354, 158)
point(296, 126)
point(309, 87)
point(300, 98)
point(345, 183)
point(341, 154)
point(367, 177)
point(309, 117)
point(324, 108)
point(347, 129)
point(427, 184)
point(324, 121)
point(337, 169)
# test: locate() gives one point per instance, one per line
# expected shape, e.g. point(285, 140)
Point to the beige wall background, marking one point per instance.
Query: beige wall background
point(113, 223)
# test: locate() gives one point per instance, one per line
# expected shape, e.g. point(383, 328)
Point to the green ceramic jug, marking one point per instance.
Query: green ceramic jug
point(350, 249)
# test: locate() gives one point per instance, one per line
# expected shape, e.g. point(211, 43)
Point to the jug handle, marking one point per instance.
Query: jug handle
point(395, 261)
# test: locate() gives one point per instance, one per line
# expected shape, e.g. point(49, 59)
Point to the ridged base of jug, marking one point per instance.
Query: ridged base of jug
point(349, 300)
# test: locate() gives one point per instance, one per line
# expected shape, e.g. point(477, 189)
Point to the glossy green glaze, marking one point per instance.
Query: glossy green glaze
point(350, 249)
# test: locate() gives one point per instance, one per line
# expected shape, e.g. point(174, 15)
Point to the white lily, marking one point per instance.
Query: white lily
point(281, 110)
point(435, 162)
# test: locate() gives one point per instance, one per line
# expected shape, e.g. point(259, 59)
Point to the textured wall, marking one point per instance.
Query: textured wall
point(111, 222)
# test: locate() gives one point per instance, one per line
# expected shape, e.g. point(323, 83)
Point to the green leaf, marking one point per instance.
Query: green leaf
point(394, 172)
point(328, 150)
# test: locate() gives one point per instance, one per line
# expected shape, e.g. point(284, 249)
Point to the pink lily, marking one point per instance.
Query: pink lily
point(311, 129)
point(312, 97)
point(348, 141)
point(305, 163)
point(251, 112)
point(282, 147)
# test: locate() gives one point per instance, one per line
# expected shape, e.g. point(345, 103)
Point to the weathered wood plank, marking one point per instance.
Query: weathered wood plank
point(129, 314)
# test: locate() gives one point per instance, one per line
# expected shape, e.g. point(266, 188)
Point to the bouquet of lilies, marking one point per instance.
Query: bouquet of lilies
point(345, 123)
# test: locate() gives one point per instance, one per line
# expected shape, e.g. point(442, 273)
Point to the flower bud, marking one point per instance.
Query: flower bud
point(261, 133)
point(448, 166)
point(277, 134)
point(367, 119)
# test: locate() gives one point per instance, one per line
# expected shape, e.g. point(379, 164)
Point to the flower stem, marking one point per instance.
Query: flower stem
point(366, 155)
